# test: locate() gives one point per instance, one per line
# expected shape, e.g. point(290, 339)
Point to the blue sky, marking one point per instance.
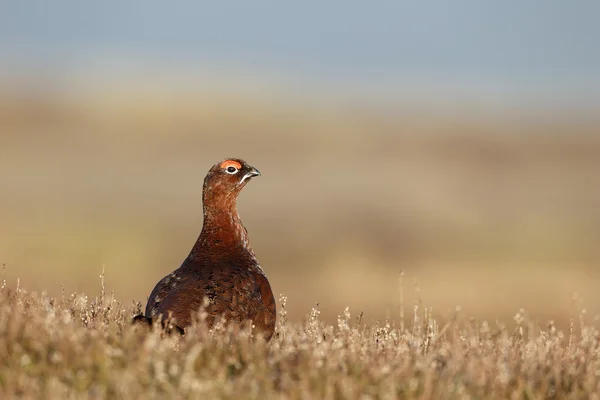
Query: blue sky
point(537, 49)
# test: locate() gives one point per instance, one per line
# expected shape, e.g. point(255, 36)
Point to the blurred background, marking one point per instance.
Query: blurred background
point(457, 142)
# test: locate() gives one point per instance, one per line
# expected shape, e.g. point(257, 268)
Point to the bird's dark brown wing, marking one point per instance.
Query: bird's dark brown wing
point(162, 289)
point(265, 318)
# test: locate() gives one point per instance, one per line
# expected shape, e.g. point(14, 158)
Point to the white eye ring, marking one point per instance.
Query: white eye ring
point(231, 170)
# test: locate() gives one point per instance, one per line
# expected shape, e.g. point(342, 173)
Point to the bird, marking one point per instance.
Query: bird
point(221, 275)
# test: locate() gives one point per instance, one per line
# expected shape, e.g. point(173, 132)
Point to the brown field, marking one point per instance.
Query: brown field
point(491, 213)
point(77, 346)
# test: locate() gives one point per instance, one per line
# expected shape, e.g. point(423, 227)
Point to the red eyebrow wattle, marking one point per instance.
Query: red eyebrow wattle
point(231, 163)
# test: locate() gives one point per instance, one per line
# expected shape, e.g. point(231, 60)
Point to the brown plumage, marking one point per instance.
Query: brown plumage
point(221, 272)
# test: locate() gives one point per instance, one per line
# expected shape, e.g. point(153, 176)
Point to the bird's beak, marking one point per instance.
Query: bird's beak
point(253, 172)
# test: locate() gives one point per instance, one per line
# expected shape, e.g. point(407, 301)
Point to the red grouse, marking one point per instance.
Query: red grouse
point(221, 273)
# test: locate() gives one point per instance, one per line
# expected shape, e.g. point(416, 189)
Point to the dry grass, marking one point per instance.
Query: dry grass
point(78, 346)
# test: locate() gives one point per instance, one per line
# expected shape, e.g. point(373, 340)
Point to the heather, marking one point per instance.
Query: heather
point(83, 346)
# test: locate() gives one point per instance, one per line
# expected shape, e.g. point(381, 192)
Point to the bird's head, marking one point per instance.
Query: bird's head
point(226, 178)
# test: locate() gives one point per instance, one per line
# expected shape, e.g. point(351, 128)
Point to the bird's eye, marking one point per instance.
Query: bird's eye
point(231, 169)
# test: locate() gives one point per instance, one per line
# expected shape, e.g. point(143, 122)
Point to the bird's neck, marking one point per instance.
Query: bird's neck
point(222, 230)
